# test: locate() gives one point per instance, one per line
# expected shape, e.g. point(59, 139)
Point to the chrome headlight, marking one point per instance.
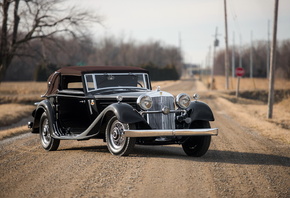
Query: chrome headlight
point(182, 100)
point(144, 102)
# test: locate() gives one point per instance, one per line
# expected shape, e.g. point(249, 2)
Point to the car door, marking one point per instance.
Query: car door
point(74, 112)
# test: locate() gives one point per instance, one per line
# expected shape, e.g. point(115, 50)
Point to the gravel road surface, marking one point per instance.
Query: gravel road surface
point(240, 163)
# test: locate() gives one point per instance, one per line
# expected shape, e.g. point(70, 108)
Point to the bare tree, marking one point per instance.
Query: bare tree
point(27, 20)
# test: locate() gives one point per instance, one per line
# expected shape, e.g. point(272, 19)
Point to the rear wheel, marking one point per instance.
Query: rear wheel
point(47, 141)
point(197, 146)
point(117, 143)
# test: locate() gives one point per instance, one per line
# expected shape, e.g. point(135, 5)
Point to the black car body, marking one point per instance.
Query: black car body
point(118, 105)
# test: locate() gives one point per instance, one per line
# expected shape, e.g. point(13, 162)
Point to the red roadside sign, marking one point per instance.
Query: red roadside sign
point(240, 71)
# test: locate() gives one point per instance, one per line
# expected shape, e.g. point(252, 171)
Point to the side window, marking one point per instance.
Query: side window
point(71, 82)
point(90, 83)
point(140, 82)
point(75, 85)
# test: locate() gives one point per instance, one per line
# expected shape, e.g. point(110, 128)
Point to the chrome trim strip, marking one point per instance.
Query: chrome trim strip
point(170, 132)
point(160, 111)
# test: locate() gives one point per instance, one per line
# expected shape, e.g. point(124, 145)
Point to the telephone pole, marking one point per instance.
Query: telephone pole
point(240, 53)
point(215, 44)
point(227, 48)
point(272, 63)
point(251, 56)
point(233, 57)
point(268, 50)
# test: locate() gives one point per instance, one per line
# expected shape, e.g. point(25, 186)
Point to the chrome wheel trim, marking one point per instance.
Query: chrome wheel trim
point(45, 134)
point(116, 136)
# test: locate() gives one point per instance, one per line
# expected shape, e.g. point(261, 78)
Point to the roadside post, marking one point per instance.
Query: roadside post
point(239, 73)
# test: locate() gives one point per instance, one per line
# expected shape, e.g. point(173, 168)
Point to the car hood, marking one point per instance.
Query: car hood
point(129, 93)
point(125, 93)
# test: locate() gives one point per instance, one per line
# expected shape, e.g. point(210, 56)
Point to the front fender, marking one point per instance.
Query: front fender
point(200, 111)
point(125, 113)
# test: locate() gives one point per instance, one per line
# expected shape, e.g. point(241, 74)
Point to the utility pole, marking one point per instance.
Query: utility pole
point(215, 44)
point(233, 57)
point(227, 48)
point(209, 57)
point(208, 67)
point(268, 50)
point(240, 52)
point(273, 63)
point(179, 41)
point(251, 56)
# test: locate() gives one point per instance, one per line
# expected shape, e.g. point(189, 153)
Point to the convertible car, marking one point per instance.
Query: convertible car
point(118, 105)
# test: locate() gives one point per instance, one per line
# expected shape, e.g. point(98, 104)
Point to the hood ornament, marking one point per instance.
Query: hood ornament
point(158, 88)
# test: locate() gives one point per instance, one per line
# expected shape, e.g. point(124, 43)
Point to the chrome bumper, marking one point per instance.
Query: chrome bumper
point(170, 132)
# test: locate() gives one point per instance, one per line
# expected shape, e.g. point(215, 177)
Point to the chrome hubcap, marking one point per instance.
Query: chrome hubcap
point(117, 139)
point(117, 134)
point(45, 135)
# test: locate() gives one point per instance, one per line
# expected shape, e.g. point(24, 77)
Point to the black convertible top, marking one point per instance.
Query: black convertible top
point(79, 70)
point(54, 81)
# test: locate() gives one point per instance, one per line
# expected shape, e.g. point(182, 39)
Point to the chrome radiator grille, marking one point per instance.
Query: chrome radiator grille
point(159, 120)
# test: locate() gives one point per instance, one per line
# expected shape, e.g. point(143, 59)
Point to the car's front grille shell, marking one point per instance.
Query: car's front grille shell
point(159, 120)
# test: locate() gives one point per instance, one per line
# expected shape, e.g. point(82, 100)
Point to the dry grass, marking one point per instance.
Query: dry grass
point(254, 117)
point(16, 103)
point(13, 132)
point(253, 113)
point(11, 113)
point(21, 92)
point(162, 84)
point(246, 83)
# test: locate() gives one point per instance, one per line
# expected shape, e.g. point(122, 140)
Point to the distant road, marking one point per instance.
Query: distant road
point(240, 163)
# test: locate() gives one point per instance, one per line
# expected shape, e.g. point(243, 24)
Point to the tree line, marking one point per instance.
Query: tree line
point(260, 55)
point(26, 23)
point(40, 36)
point(37, 37)
point(47, 55)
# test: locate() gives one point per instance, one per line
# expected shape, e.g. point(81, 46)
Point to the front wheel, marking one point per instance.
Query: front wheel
point(117, 143)
point(47, 142)
point(197, 146)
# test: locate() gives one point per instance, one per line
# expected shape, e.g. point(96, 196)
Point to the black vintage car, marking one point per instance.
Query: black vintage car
point(118, 105)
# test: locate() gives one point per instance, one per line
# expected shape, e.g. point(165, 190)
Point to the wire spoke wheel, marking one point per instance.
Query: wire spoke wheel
point(117, 143)
point(45, 135)
point(47, 141)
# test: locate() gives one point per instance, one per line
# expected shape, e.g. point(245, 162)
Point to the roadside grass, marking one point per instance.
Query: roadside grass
point(21, 92)
point(16, 103)
point(245, 83)
point(13, 132)
point(251, 106)
point(12, 113)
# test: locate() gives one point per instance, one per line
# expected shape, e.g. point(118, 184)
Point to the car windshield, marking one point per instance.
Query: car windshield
point(109, 80)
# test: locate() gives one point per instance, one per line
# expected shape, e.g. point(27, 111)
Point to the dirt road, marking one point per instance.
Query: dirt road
point(240, 163)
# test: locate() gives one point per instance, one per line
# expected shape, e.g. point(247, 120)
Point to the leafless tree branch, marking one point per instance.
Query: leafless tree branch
point(37, 19)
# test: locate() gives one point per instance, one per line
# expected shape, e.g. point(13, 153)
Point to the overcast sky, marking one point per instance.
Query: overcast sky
point(193, 21)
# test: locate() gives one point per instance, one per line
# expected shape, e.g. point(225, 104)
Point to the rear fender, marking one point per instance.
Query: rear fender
point(43, 106)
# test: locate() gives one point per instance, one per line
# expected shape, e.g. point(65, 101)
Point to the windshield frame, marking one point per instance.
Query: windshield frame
point(91, 84)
